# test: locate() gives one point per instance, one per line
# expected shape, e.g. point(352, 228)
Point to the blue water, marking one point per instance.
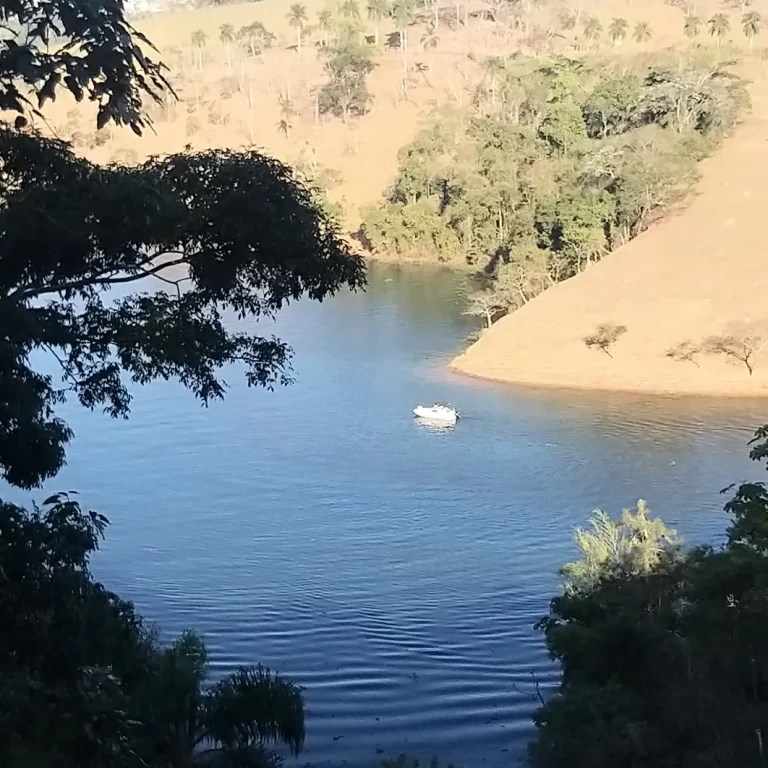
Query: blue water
point(395, 571)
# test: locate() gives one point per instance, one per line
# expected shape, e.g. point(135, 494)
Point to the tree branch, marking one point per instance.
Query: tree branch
point(35, 291)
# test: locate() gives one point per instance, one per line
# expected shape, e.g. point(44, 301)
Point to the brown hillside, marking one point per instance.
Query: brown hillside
point(702, 272)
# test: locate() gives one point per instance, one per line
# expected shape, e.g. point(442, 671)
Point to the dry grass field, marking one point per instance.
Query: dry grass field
point(228, 98)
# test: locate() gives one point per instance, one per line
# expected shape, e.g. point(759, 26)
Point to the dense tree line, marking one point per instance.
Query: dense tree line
point(663, 653)
point(561, 162)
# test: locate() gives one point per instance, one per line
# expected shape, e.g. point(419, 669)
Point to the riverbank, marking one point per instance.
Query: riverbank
point(699, 274)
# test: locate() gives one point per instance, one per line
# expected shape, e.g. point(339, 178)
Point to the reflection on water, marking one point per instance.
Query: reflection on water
point(394, 568)
point(432, 425)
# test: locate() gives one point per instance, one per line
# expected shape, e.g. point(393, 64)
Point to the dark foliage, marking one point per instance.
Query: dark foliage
point(227, 234)
point(667, 667)
point(87, 48)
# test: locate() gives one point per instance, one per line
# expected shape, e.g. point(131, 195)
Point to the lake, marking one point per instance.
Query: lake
point(394, 570)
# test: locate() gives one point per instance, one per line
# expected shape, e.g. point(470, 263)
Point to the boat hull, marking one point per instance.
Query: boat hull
point(430, 414)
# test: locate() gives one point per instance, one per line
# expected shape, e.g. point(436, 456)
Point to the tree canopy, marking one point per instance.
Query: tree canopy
point(562, 161)
point(662, 649)
point(227, 234)
point(83, 682)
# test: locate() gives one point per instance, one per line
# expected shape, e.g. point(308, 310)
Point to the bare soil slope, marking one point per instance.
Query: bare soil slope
point(701, 272)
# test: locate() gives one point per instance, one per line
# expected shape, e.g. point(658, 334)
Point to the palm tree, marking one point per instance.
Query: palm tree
point(692, 26)
point(285, 125)
point(227, 37)
point(719, 27)
point(592, 28)
point(325, 21)
point(199, 39)
point(618, 31)
point(642, 32)
point(430, 41)
point(234, 719)
point(226, 33)
point(403, 13)
point(377, 10)
point(297, 17)
point(751, 24)
point(350, 9)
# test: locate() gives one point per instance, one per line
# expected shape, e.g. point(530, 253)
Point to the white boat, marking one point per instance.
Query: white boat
point(444, 413)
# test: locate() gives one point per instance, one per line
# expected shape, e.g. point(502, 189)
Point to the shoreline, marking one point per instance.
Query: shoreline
point(548, 385)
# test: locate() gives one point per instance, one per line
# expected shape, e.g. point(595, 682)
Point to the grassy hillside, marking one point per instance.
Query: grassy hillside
point(229, 97)
point(680, 309)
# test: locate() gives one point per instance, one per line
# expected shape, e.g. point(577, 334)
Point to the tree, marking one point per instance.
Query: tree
point(199, 40)
point(563, 125)
point(719, 26)
point(403, 13)
point(684, 352)
point(430, 41)
point(208, 226)
point(617, 31)
point(737, 349)
point(255, 38)
point(486, 304)
point(84, 683)
point(234, 719)
point(692, 26)
point(325, 21)
point(611, 106)
point(226, 33)
point(350, 10)
point(631, 546)
point(752, 23)
point(297, 18)
point(288, 112)
point(73, 655)
point(348, 65)
point(663, 659)
point(606, 335)
point(227, 37)
point(592, 28)
point(642, 32)
point(378, 10)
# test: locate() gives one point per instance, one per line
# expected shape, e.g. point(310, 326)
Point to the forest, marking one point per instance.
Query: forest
point(559, 162)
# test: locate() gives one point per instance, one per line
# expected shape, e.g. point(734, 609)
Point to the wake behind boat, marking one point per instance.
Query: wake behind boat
point(445, 414)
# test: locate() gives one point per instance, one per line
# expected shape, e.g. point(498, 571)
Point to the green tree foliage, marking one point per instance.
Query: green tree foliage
point(605, 337)
point(348, 65)
point(403, 13)
point(226, 33)
point(82, 682)
point(611, 106)
point(209, 226)
point(617, 31)
point(719, 26)
point(350, 9)
point(593, 28)
point(255, 38)
point(692, 26)
point(563, 126)
point(561, 163)
point(72, 654)
point(325, 23)
point(751, 24)
point(232, 720)
point(642, 32)
point(297, 18)
point(662, 651)
point(377, 11)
